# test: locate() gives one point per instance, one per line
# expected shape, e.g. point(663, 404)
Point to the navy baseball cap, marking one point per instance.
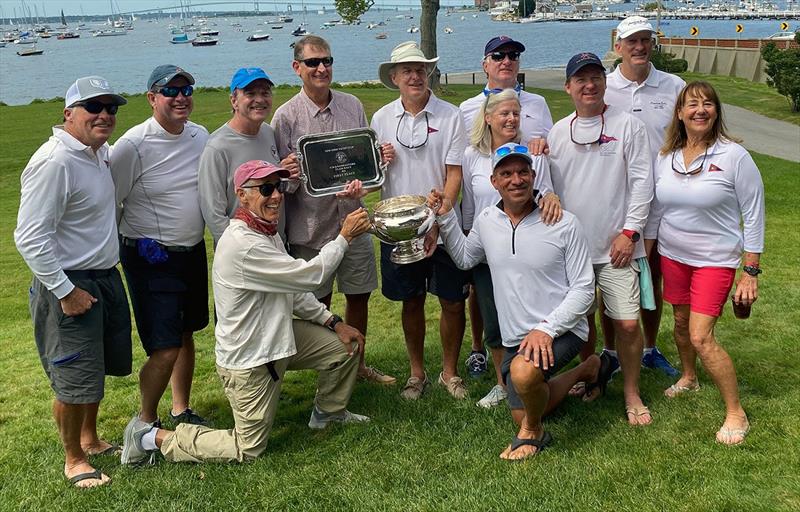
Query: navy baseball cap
point(166, 72)
point(245, 76)
point(496, 42)
point(581, 60)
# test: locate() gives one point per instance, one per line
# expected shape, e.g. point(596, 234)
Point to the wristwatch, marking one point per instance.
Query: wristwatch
point(332, 321)
point(633, 235)
point(753, 270)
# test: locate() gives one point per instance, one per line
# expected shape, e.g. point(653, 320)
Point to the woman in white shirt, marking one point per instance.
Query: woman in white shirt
point(707, 185)
point(496, 123)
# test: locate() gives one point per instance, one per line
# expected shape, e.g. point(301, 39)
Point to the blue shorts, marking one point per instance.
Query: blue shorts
point(168, 298)
point(437, 275)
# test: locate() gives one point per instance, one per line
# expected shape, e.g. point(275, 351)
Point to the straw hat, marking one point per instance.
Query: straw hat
point(404, 52)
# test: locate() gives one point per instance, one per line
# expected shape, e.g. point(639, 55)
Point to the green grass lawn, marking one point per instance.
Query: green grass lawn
point(433, 454)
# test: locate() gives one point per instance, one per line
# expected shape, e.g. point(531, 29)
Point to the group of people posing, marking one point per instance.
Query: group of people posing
point(538, 225)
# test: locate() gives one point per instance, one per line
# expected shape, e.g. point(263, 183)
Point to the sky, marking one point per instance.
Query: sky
point(103, 7)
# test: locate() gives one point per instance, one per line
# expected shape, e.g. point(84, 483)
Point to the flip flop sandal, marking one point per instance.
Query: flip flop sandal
point(730, 433)
point(539, 444)
point(91, 475)
point(579, 389)
point(638, 412)
point(604, 375)
point(114, 449)
point(675, 390)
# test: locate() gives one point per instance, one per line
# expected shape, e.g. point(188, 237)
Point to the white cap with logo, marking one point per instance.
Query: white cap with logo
point(632, 25)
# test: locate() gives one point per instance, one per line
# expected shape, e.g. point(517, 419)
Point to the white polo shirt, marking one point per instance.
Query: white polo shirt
point(477, 191)
point(608, 186)
point(417, 171)
point(652, 101)
point(542, 276)
point(697, 218)
point(66, 218)
point(155, 174)
point(535, 120)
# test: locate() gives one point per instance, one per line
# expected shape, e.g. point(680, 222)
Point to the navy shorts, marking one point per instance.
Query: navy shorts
point(565, 348)
point(77, 352)
point(437, 275)
point(168, 298)
point(484, 292)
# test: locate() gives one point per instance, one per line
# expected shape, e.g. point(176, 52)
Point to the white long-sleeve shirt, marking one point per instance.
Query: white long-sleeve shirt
point(257, 288)
point(66, 218)
point(608, 186)
point(697, 218)
point(477, 191)
point(542, 276)
point(535, 120)
point(155, 175)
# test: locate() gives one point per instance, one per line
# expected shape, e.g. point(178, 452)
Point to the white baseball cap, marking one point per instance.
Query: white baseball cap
point(632, 25)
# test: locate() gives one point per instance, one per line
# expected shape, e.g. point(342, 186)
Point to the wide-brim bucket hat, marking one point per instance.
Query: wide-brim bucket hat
point(404, 52)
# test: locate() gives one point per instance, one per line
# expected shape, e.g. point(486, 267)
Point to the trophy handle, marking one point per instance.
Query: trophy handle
point(302, 175)
point(384, 164)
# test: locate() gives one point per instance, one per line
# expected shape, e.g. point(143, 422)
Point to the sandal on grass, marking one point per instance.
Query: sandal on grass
point(540, 444)
point(579, 389)
point(726, 435)
point(675, 390)
point(113, 449)
point(637, 411)
point(91, 475)
point(604, 374)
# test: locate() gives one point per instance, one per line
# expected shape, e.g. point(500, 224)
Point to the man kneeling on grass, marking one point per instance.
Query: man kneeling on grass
point(257, 289)
point(543, 286)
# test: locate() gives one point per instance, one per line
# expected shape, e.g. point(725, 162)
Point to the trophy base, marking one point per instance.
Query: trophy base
point(410, 251)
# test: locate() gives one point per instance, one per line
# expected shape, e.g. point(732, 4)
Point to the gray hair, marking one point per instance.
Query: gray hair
point(481, 133)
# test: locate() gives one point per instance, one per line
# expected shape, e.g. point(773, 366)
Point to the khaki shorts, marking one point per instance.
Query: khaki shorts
point(357, 273)
point(620, 290)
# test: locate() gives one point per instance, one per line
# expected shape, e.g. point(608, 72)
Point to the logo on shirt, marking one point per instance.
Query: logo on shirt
point(658, 105)
point(714, 168)
point(431, 129)
point(605, 139)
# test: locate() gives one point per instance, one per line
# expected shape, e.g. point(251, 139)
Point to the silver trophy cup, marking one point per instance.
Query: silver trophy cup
point(403, 221)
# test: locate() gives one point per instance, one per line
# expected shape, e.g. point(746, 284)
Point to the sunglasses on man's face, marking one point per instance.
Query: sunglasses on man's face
point(95, 107)
point(267, 189)
point(172, 92)
point(316, 61)
point(499, 56)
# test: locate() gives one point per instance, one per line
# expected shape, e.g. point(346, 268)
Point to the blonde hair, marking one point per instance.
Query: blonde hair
point(481, 133)
point(676, 133)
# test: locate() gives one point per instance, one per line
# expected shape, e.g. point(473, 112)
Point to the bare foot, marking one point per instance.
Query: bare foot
point(579, 389)
point(734, 430)
point(92, 477)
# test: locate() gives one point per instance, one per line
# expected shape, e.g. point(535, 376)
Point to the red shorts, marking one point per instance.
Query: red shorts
point(705, 289)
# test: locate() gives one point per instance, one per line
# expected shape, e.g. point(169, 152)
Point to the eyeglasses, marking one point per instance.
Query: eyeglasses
point(172, 92)
point(95, 107)
point(316, 61)
point(693, 171)
point(412, 146)
point(268, 188)
point(507, 150)
point(599, 138)
point(512, 55)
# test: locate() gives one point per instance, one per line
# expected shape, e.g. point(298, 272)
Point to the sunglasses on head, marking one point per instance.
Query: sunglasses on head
point(316, 61)
point(513, 55)
point(267, 189)
point(171, 91)
point(507, 150)
point(95, 107)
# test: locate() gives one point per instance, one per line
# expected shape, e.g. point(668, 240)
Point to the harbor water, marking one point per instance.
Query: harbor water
point(126, 61)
